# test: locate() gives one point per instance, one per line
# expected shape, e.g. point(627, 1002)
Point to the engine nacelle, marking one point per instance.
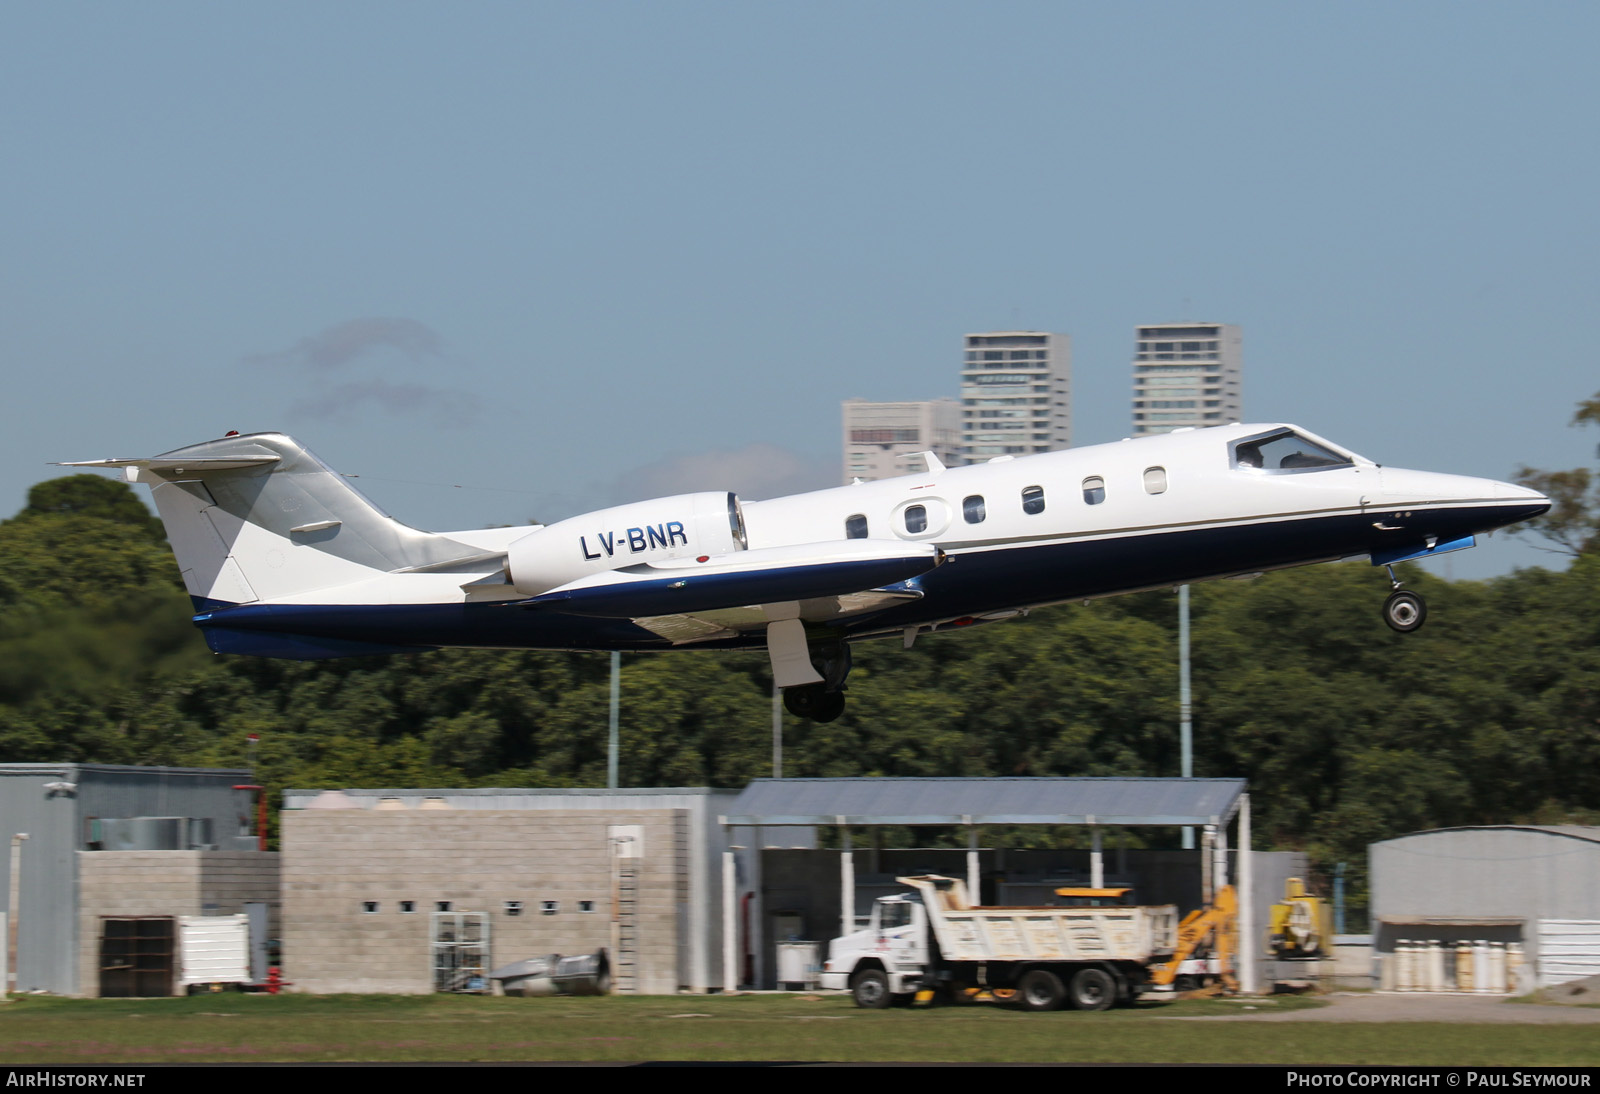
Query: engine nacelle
point(683, 526)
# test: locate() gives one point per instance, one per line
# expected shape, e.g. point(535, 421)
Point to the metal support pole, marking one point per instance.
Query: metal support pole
point(1247, 920)
point(616, 717)
point(974, 878)
point(847, 884)
point(13, 917)
point(1097, 862)
point(1338, 899)
point(756, 945)
point(730, 922)
point(1219, 855)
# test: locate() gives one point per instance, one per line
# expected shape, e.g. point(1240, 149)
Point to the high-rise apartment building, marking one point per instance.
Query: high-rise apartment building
point(1016, 394)
point(882, 440)
point(1186, 375)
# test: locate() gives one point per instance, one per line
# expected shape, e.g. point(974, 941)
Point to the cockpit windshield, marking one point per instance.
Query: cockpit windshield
point(1286, 450)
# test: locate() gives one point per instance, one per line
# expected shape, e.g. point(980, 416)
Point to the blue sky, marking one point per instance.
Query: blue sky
point(513, 260)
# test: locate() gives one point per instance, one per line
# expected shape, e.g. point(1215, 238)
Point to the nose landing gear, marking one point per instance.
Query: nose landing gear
point(1404, 611)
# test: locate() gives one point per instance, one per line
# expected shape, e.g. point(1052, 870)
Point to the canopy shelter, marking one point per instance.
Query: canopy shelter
point(1210, 805)
point(1127, 802)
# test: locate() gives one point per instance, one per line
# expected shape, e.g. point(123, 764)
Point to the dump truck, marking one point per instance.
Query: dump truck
point(933, 939)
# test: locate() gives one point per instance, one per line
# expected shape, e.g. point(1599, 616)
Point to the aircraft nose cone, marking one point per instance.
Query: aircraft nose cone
point(1527, 503)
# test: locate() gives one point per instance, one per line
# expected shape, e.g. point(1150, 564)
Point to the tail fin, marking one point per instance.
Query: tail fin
point(258, 517)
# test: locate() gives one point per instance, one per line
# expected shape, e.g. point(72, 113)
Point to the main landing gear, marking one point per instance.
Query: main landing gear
point(1404, 611)
point(822, 702)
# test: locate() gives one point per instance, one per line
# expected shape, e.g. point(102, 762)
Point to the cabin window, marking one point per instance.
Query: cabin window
point(1033, 500)
point(1094, 490)
point(893, 913)
point(1155, 480)
point(972, 509)
point(855, 527)
point(917, 519)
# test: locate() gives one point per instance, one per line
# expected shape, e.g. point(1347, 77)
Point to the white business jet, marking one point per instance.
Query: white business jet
point(284, 558)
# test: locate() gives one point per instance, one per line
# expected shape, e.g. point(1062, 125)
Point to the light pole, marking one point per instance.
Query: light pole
point(1185, 725)
point(616, 716)
point(777, 730)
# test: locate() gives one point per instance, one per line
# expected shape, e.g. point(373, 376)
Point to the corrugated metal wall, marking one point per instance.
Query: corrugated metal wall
point(1569, 949)
point(1493, 881)
point(56, 821)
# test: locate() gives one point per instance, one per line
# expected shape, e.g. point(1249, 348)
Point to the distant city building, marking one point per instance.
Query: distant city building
point(882, 440)
point(1186, 375)
point(1016, 394)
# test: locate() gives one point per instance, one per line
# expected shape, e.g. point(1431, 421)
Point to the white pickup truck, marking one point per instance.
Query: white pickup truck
point(933, 939)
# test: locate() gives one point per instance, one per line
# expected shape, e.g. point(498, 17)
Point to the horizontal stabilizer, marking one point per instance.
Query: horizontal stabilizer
point(178, 466)
point(806, 572)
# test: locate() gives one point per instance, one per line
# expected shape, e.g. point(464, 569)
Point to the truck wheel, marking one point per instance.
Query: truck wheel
point(870, 989)
point(1093, 989)
point(1040, 989)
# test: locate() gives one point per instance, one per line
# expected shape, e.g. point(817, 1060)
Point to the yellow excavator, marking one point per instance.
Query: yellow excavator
point(1302, 924)
point(1205, 933)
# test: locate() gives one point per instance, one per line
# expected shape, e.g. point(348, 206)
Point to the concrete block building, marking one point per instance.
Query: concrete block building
point(130, 900)
point(379, 885)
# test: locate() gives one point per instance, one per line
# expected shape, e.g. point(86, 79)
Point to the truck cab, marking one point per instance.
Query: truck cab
point(888, 959)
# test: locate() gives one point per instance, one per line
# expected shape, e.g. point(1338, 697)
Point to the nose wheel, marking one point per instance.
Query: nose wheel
point(1404, 611)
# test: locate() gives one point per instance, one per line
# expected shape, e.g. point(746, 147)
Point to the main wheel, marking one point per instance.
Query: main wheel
point(1093, 989)
point(802, 699)
point(813, 701)
point(1040, 989)
point(831, 706)
point(870, 989)
point(1404, 611)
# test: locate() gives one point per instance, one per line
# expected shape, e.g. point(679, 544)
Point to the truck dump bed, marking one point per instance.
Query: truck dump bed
point(967, 933)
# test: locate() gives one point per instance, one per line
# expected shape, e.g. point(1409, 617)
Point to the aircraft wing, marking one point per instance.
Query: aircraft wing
point(703, 626)
point(693, 600)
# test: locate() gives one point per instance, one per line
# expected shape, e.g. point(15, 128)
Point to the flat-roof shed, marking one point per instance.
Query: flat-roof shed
point(1210, 805)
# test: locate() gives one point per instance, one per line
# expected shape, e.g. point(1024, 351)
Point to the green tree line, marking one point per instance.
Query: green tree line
point(1347, 732)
